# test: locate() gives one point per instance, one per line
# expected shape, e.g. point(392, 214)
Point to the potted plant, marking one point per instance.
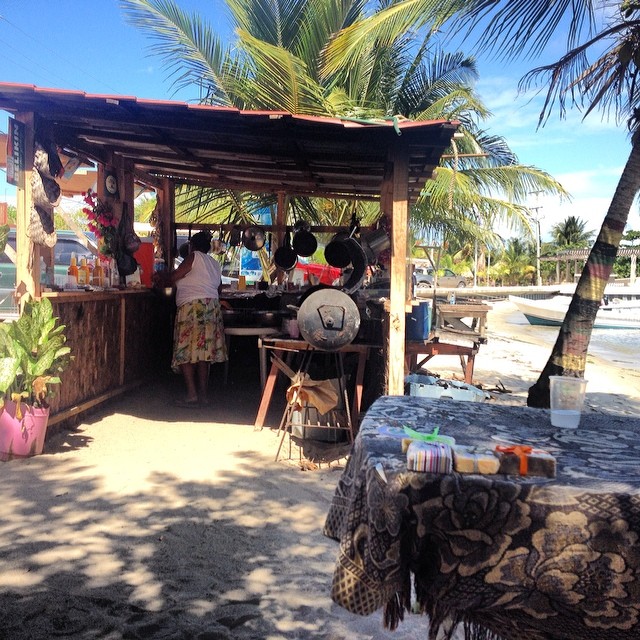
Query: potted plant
point(32, 355)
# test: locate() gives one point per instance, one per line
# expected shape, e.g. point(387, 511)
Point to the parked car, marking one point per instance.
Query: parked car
point(67, 244)
point(446, 278)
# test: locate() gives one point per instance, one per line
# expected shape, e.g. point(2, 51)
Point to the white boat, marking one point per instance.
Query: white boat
point(615, 314)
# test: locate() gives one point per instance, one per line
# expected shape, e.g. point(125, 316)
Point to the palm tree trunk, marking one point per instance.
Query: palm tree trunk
point(569, 354)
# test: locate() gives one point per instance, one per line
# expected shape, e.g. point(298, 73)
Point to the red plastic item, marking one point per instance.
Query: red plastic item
point(144, 257)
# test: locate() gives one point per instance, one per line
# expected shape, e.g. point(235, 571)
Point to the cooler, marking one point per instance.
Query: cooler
point(418, 322)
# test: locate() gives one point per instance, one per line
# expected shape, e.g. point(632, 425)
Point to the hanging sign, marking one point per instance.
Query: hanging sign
point(16, 153)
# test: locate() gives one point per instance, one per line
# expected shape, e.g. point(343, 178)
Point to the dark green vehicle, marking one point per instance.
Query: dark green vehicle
point(67, 244)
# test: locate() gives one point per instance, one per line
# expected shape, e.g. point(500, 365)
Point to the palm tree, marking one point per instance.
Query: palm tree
point(571, 233)
point(514, 266)
point(610, 82)
point(276, 64)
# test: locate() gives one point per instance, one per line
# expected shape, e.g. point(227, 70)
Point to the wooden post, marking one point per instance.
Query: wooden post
point(166, 218)
point(27, 260)
point(281, 221)
point(398, 275)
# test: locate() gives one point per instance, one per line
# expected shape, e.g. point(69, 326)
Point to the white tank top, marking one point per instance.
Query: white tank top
point(201, 282)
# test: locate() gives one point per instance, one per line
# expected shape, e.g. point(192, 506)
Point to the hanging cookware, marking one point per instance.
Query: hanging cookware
point(328, 319)
point(218, 246)
point(374, 243)
point(253, 238)
point(336, 253)
point(235, 237)
point(304, 242)
point(285, 257)
point(358, 260)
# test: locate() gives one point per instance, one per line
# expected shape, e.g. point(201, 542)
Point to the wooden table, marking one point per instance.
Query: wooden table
point(458, 330)
point(510, 556)
point(468, 320)
point(431, 348)
point(280, 344)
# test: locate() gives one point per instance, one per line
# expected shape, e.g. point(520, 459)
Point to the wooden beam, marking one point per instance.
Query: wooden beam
point(398, 275)
point(27, 263)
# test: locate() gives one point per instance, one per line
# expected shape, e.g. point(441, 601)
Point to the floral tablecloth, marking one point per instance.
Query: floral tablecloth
point(509, 557)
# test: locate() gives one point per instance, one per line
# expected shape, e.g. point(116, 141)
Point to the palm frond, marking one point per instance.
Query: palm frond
point(191, 51)
point(383, 27)
point(610, 82)
point(279, 80)
point(275, 22)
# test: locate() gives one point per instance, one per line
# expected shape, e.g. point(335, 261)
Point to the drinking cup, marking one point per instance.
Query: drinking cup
point(294, 329)
point(567, 399)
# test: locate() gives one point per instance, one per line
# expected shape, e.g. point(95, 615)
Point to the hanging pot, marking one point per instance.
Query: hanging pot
point(328, 319)
point(374, 243)
point(253, 238)
point(285, 256)
point(235, 237)
point(304, 242)
point(218, 247)
point(336, 253)
point(358, 260)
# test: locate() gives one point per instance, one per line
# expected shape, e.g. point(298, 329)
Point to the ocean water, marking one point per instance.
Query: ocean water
point(620, 347)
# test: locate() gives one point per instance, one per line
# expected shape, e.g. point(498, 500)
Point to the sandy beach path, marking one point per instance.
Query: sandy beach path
point(149, 521)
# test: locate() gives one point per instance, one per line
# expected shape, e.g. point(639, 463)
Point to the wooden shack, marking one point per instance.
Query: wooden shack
point(161, 144)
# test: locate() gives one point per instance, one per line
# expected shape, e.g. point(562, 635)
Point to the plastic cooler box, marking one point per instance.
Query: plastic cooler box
point(418, 322)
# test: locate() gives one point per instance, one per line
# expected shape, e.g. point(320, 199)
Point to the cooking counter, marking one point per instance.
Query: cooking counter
point(118, 338)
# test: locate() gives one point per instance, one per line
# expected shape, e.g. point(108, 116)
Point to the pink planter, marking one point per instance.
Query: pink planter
point(22, 438)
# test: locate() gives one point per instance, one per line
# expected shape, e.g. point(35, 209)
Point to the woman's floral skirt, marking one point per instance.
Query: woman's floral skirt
point(198, 334)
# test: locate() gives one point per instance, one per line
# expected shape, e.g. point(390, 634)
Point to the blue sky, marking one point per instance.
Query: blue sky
point(88, 46)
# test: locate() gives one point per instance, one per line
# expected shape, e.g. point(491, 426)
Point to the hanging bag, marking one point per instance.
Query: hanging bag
point(40, 229)
point(47, 161)
point(128, 244)
point(45, 192)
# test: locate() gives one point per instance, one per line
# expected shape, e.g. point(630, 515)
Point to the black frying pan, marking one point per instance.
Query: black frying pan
point(285, 257)
point(304, 242)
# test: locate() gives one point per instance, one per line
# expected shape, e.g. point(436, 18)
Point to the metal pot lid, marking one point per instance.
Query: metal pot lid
point(254, 238)
point(328, 319)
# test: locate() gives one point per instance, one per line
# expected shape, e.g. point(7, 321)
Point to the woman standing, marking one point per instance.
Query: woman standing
point(198, 337)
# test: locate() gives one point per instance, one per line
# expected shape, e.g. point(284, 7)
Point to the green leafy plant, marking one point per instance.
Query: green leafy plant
point(33, 353)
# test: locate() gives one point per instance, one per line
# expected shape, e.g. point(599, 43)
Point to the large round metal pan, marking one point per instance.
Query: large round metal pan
point(328, 319)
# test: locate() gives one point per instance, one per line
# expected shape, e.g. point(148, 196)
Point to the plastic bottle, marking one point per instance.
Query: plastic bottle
point(98, 275)
point(452, 298)
point(83, 273)
point(73, 267)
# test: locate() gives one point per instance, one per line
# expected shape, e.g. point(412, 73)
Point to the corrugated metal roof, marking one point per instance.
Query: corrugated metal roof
point(257, 151)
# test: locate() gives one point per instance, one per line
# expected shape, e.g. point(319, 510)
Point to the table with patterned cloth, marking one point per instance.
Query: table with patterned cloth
point(509, 557)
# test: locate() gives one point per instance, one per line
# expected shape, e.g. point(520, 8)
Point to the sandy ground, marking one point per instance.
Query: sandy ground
point(150, 521)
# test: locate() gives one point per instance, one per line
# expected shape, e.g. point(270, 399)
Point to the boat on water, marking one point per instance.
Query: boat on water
point(613, 313)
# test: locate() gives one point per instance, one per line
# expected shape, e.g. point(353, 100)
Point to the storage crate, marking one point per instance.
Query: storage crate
point(418, 322)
